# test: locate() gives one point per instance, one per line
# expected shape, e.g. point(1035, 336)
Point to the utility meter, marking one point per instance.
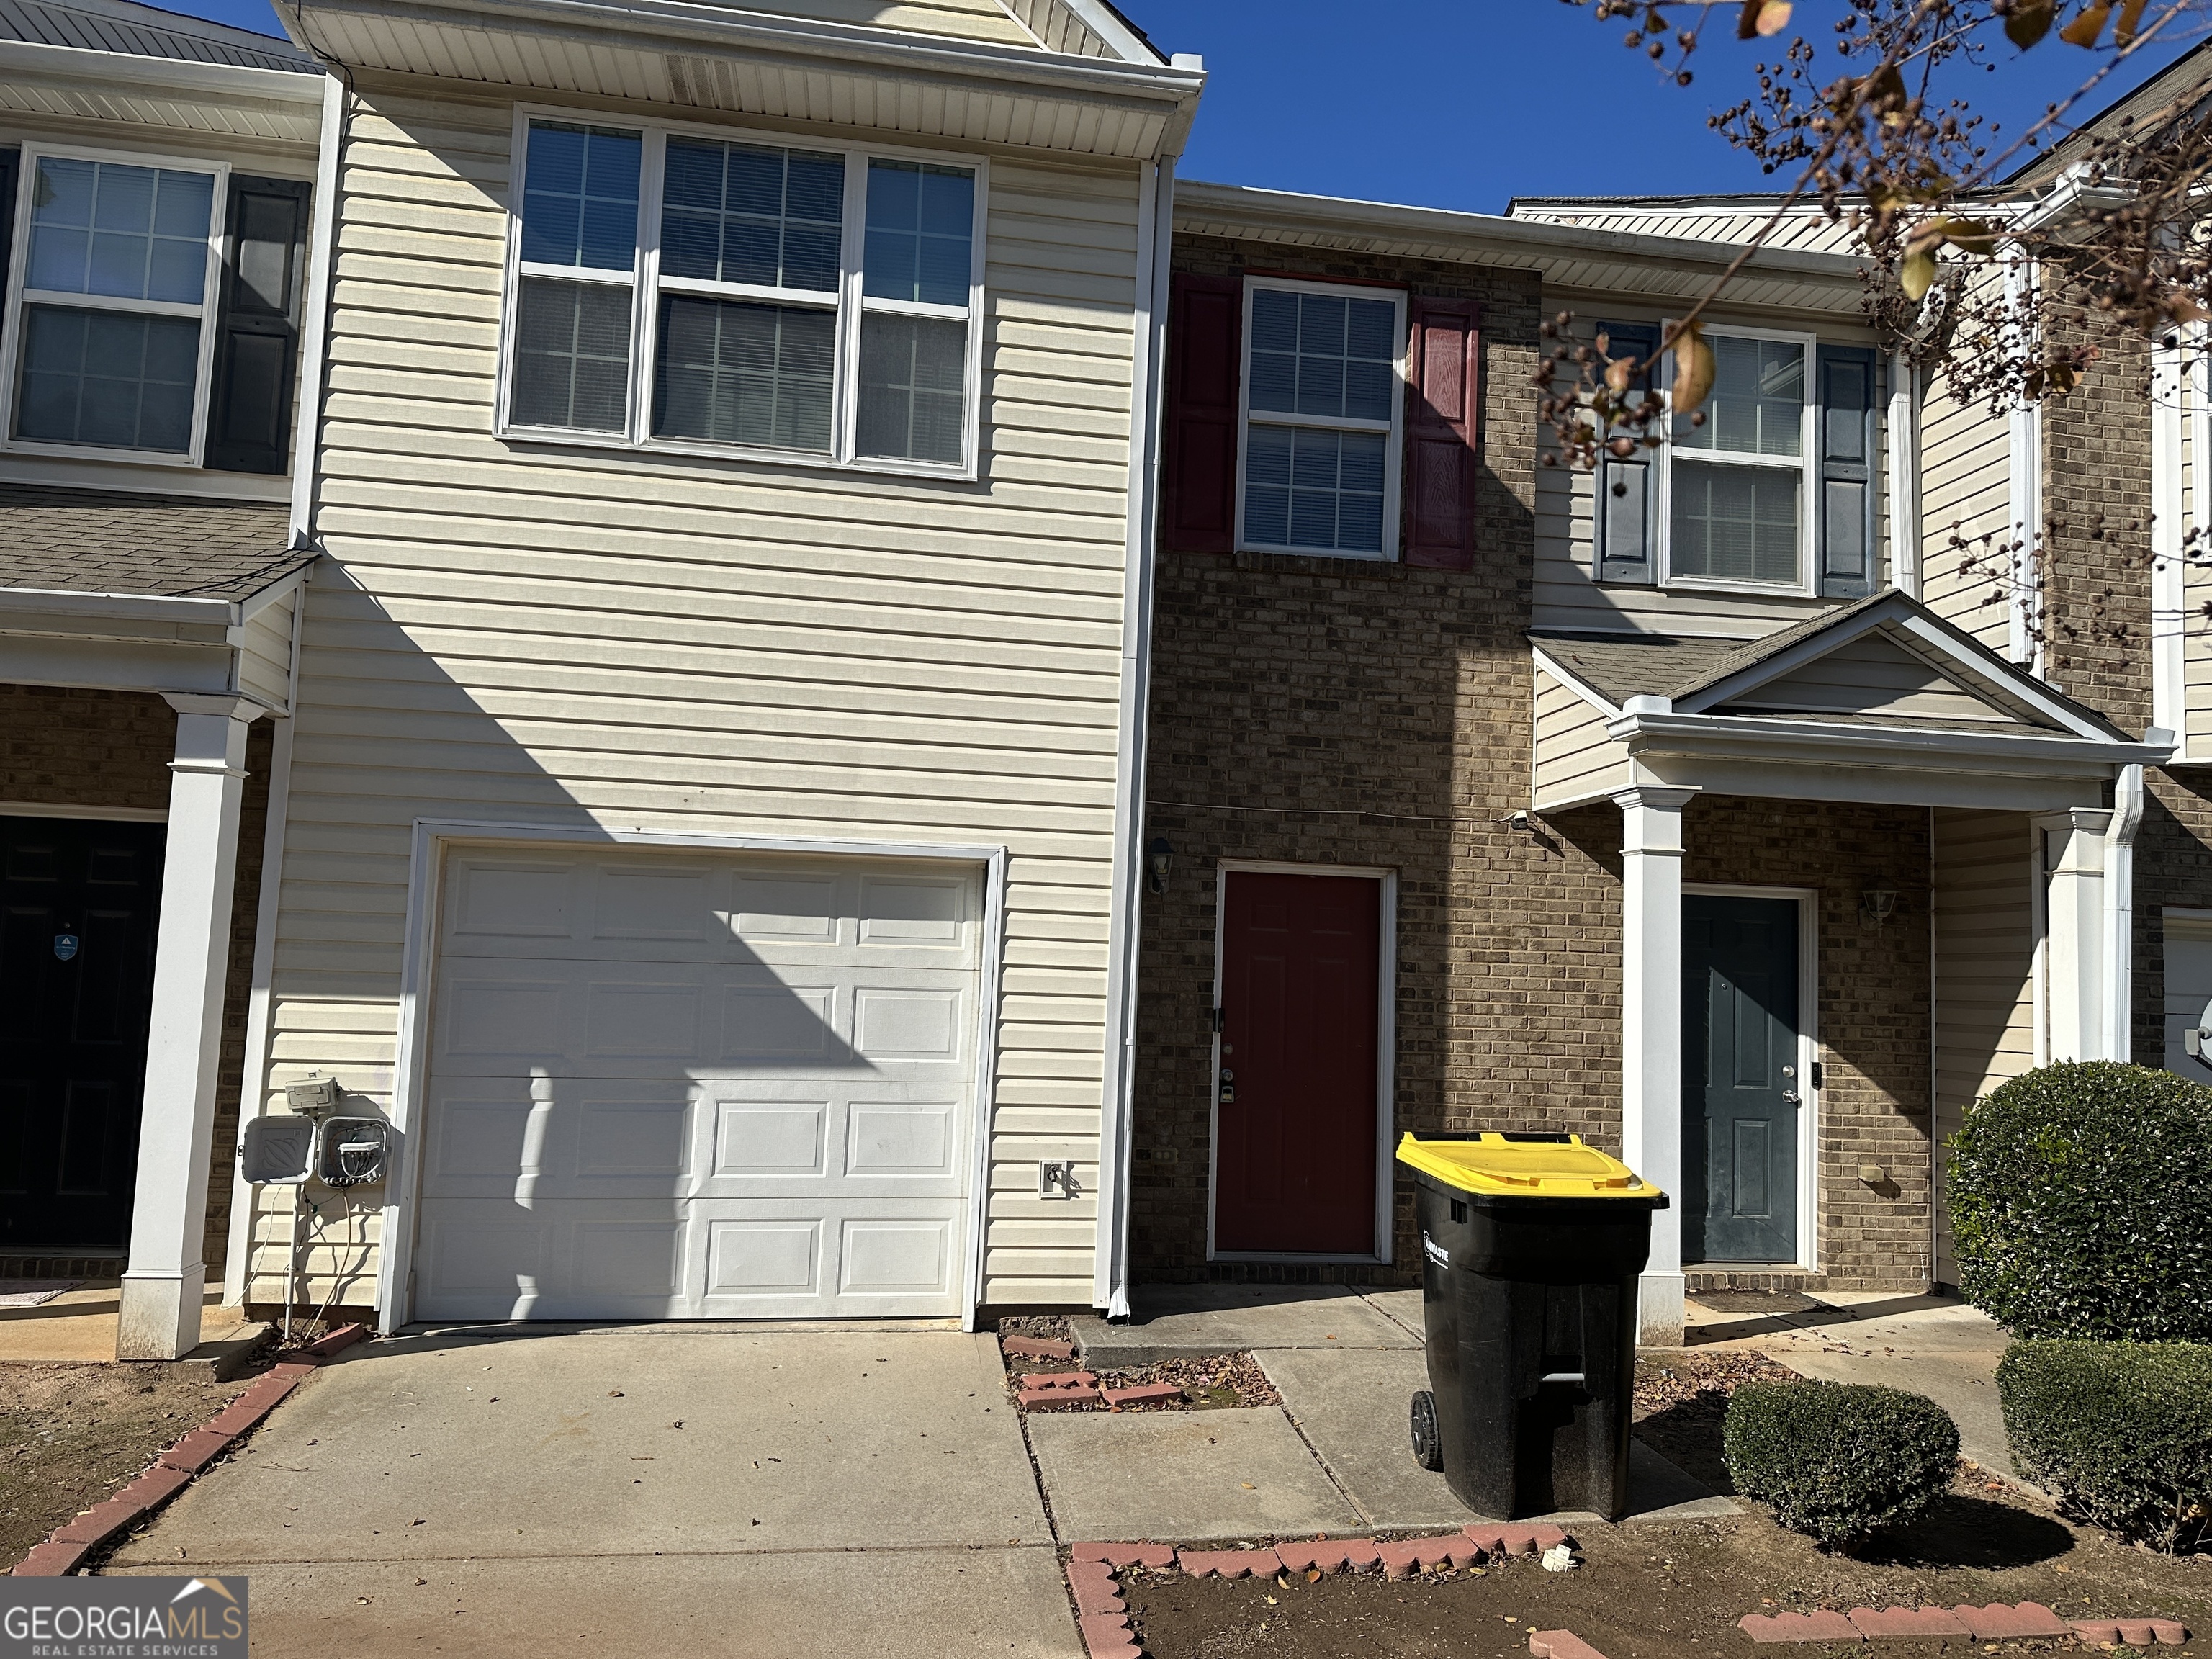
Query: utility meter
point(2197, 1041)
point(352, 1151)
point(275, 1151)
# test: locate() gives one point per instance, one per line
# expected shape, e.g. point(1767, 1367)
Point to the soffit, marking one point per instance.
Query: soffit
point(71, 84)
point(1565, 256)
point(706, 58)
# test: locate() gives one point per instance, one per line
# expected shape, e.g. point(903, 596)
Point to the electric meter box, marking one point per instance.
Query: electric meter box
point(276, 1150)
point(352, 1151)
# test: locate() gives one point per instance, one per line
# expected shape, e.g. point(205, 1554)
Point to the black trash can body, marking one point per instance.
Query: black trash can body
point(1529, 1305)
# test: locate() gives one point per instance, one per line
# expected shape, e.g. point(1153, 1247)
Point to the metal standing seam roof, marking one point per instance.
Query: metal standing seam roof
point(124, 26)
point(91, 541)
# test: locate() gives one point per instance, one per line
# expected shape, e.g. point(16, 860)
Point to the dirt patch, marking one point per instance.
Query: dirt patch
point(1681, 1401)
point(70, 1435)
point(1223, 1380)
point(1650, 1591)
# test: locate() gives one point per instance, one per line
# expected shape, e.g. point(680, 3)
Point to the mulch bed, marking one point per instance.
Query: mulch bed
point(1225, 1380)
point(1675, 1590)
point(1681, 1401)
point(71, 1434)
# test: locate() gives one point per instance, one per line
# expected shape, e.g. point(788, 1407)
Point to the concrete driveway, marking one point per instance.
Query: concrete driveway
point(641, 1489)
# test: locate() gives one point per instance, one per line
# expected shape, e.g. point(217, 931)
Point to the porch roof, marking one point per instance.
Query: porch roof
point(112, 542)
point(1880, 699)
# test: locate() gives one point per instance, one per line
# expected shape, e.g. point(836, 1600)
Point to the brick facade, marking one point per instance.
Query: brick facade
point(1343, 712)
point(75, 746)
point(2097, 575)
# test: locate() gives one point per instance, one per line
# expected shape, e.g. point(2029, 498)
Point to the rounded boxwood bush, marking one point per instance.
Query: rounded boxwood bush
point(2120, 1432)
point(1838, 1461)
point(2081, 1198)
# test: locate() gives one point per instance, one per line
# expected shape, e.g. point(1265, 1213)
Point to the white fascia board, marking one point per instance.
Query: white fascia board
point(1530, 243)
point(20, 606)
point(1680, 733)
point(1589, 694)
point(655, 25)
point(1102, 21)
point(302, 86)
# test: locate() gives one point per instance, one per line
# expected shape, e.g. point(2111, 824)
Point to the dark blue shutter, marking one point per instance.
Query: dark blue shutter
point(257, 343)
point(1848, 440)
point(1627, 530)
point(11, 162)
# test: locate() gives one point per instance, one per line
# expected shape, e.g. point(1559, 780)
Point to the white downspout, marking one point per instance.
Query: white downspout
point(1155, 237)
point(2120, 906)
point(1904, 476)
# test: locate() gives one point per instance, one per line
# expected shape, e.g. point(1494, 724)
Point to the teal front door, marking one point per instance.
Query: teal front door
point(1742, 1098)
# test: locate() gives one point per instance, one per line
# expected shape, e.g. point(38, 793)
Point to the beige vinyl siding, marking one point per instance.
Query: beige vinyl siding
point(1576, 761)
point(1565, 593)
point(565, 635)
point(264, 653)
point(1965, 484)
point(1870, 676)
point(1985, 961)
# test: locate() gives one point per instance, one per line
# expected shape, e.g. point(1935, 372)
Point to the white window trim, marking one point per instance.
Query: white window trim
point(1394, 456)
point(646, 283)
point(1807, 462)
point(208, 310)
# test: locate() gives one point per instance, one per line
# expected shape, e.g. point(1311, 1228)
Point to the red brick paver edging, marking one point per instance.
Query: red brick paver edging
point(1996, 1622)
point(1560, 1644)
point(174, 1469)
point(1094, 1573)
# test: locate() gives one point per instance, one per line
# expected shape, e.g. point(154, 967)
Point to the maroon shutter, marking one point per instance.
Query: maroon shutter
point(1205, 373)
point(1441, 422)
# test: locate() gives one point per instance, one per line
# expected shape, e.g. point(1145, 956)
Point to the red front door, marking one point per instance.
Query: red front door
point(1294, 1146)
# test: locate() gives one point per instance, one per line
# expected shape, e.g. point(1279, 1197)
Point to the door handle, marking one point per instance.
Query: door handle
point(1793, 1097)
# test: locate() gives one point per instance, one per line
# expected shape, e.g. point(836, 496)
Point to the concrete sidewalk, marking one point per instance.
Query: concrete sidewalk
point(1935, 1345)
point(649, 1492)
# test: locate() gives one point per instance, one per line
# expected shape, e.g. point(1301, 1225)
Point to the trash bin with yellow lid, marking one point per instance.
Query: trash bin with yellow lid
point(1531, 1247)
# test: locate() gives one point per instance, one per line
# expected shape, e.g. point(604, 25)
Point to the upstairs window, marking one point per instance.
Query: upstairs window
point(1774, 490)
point(1321, 428)
point(153, 310)
point(679, 289)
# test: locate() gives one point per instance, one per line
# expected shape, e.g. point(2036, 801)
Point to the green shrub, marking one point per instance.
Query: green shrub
point(2120, 1432)
point(2081, 1197)
point(1838, 1461)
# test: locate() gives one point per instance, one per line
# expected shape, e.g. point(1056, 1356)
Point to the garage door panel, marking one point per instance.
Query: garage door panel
point(687, 1086)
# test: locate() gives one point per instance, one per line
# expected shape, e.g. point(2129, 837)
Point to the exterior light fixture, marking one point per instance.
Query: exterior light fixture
point(1877, 905)
point(1159, 859)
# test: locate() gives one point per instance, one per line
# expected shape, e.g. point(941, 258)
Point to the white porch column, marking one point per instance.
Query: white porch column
point(163, 1286)
point(1651, 1036)
point(2074, 935)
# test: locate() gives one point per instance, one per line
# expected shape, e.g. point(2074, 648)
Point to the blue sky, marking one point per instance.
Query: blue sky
point(1466, 103)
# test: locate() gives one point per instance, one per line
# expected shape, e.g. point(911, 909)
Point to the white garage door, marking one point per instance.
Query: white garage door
point(715, 1086)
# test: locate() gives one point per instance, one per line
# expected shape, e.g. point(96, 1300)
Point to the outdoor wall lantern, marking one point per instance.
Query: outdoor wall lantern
point(1877, 905)
point(1159, 859)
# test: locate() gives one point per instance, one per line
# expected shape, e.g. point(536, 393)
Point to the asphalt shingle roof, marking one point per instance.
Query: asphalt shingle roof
point(141, 31)
point(99, 541)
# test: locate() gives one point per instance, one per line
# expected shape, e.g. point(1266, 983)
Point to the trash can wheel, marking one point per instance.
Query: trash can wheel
point(1428, 1449)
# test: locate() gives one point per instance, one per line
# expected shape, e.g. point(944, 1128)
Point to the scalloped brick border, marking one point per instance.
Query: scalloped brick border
point(1998, 1621)
point(1094, 1572)
point(67, 1545)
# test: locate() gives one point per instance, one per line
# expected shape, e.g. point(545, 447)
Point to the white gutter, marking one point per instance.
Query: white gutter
point(1109, 1288)
point(322, 262)
point(1650, 730)
point(109, 69)
point(654, 25)
point(178, 608)
point(2120, 905)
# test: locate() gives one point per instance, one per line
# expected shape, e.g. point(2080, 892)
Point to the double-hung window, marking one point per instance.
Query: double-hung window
point(108, 335)
point(1773, 487)
point(692, 289)
point(1322, 427)
point(1740, 510)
